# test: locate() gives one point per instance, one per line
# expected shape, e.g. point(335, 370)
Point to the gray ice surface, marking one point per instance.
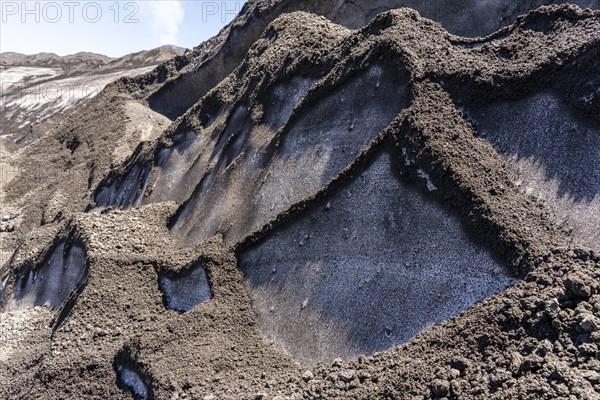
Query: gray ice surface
point(324, 138)
point(366, 269)
point(553, 156)
point(4, 287)
point(51, 283)
point(179, 166)
point(283, 99)
point(184, 291)
point(126, 191)
point(132, 381)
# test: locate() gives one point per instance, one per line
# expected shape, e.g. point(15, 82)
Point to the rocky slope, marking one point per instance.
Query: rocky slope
point(368, 194)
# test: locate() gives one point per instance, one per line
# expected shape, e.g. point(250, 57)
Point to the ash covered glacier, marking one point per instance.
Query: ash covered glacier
point(361, 188)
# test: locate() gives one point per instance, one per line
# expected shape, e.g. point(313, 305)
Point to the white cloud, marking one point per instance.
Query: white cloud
point(167, 16)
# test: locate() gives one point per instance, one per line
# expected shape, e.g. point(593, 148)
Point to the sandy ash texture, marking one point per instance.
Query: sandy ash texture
point(363, 206)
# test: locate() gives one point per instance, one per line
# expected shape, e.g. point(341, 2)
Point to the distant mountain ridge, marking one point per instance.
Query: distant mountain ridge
point(52, 60)
point(84, 59)
point(40, 90)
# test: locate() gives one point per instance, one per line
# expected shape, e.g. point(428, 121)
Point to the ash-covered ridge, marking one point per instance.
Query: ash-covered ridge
point(243, 154)
point(403, 225)
point(172, 88)
point(243, 167)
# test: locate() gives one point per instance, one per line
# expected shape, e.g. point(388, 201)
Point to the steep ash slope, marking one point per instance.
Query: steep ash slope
point(34, 100)
point(44, 183)
point(175, 86)
point(549, 136)
point(349, 205)
point(234, 162)
point(204, 70)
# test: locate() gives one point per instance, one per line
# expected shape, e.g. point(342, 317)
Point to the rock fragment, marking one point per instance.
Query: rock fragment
point(307, 376)
point(580, 285)
point(440, 388)
point(589, 323)
point(346, 376)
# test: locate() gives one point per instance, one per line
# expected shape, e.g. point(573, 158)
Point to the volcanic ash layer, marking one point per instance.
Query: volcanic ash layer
point(365, 194)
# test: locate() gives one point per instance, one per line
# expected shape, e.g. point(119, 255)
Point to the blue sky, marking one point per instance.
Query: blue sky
point(110, 27)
